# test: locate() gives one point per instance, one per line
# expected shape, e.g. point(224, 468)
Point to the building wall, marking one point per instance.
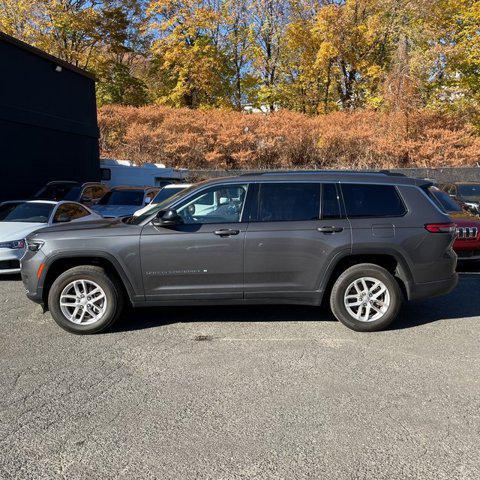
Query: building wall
point(48, 123)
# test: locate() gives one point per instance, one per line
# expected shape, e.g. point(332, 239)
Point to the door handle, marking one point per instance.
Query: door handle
point(330, 229)
point(226, 232)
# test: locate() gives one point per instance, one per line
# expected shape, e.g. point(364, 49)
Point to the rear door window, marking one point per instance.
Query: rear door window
point(68, 212)
point(330, 202)
point(363, 201)
point(287, 202)
point(93, 193)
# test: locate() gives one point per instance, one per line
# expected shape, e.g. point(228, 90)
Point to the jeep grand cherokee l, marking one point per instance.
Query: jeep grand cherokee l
point(363, 241)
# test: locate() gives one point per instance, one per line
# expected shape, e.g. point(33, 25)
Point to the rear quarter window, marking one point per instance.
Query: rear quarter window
point(363, 200)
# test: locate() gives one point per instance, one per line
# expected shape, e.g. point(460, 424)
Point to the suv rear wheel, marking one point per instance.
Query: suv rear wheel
point(366, 298)
point(85, 300)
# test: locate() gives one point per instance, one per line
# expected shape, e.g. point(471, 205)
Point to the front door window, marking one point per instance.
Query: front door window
point(221, 204)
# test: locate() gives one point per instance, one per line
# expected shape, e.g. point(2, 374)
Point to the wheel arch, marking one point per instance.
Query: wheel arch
point(391, 260)
point(61, 262)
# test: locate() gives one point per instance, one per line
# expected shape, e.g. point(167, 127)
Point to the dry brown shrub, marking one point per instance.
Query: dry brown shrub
point(217, 139)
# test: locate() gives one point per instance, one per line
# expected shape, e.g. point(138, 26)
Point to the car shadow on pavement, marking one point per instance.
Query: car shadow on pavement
point(142, 318)
point(461, 303)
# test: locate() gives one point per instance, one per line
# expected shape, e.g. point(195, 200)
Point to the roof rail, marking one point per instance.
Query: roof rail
point(299, 172)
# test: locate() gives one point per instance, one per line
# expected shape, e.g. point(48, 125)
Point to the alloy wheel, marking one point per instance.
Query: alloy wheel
point(83, 302)
point(367, 299)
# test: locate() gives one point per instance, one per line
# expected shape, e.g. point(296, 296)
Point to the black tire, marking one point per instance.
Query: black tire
point(356, 272)
point(113, 293)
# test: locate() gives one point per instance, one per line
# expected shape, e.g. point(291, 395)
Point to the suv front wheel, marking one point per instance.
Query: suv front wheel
point(85, 300)
point(366, 298)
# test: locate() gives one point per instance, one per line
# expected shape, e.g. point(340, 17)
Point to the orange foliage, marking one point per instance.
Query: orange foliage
point(218, 139)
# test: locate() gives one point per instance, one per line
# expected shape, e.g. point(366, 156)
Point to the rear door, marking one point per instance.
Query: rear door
point(295, 232)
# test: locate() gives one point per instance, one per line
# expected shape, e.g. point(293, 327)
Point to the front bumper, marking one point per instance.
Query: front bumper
point(31, 263)
point(10, 260)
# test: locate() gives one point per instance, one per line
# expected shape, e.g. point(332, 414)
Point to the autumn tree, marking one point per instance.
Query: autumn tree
point(238, 42)
point(313, 56)
point(105, 37)
point(192, 68)
point(269, 21)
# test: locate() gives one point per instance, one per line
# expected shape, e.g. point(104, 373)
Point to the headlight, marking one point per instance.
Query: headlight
point(34, 245)
point(14, 245)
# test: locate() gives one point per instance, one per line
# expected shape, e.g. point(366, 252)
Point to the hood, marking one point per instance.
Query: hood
point(97, 228)
point(17, 230)
point(115, 210)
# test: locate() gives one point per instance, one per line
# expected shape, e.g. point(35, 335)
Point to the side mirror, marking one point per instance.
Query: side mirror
point(167, 218)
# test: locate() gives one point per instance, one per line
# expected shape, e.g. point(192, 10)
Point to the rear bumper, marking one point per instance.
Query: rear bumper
point(433, 289)
point(469, 254)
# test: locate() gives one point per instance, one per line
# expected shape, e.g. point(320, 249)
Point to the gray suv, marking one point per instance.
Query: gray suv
point(363, 241)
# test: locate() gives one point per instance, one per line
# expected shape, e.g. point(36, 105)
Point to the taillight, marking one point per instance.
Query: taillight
point(440, 227)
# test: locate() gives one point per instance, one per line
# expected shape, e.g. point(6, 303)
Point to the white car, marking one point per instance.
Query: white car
point(19, 218)
point(164, 194)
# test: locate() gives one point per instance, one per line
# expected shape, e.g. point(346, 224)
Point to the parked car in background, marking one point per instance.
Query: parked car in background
point(466, 193)
point(123, 172)
point(164, 194)
point(19, 218)
point(364, 241)
point(467, 243)
point(124, 201)
point(88, 193)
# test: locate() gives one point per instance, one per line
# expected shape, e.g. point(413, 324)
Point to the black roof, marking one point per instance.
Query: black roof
point(47, 56)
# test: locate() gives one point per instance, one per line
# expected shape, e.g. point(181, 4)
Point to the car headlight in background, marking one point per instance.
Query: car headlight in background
point(14, 245)
point(34, 245)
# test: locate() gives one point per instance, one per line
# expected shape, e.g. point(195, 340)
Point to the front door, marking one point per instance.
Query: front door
point(202, 258)
point(299, 228)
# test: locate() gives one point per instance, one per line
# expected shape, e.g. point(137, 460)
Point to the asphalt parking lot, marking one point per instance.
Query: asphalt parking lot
point(237, 392)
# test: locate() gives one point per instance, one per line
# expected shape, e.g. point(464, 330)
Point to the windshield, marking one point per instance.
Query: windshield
point(444, 201)
point(26, 212)
point(161, 206)
point(123, 197)
point(55, 192)
point(166, 193)
point(6, 208)
point(73, 194)
point(469, 192)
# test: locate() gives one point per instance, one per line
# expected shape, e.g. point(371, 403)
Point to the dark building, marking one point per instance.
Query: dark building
point(48, 121)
